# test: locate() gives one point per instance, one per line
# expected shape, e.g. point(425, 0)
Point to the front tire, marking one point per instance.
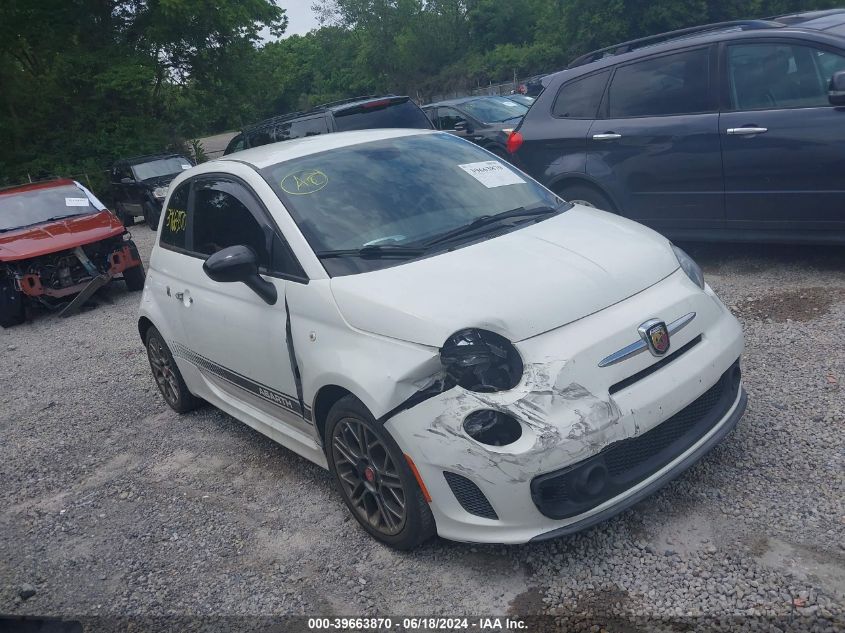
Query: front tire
point(374, 478)
point(11, 305)
point(152, 214)
point(134, 278)
point(588, 197)
point(167, 376)
point(124, 216)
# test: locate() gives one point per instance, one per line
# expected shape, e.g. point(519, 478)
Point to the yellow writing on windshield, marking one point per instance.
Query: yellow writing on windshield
point(301, 183)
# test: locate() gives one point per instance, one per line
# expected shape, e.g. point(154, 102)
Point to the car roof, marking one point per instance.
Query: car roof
point(273, 153)
point(460, 100)
point(34, 186)
point(791, 24)
point(333, 106)
point(137, 160)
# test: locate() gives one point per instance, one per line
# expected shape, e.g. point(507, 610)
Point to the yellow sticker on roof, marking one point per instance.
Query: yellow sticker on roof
point(301, 183)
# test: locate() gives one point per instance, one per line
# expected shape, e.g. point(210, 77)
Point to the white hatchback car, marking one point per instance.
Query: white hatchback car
point(466, 352)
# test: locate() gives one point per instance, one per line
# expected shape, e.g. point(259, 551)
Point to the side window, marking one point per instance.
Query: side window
point(780, 76)
point(173, 230)
point(308, 127)
point(261, 136)
point(448, 118)
point(221, 217)
point(580, 99)
point(236, 144)
point(670, 84)
point(283, 259)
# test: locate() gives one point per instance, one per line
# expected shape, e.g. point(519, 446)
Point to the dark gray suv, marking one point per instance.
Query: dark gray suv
point(731, 131)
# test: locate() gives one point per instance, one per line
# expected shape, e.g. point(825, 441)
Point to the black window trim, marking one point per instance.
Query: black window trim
point(609, 70)
point(268, 223)
point(724, 84)
point(711, 89)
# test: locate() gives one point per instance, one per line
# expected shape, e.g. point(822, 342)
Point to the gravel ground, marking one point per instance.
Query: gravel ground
point(112, 504)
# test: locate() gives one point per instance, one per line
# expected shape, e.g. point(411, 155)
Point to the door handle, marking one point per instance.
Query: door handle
point(746, 131)
point(609, 136)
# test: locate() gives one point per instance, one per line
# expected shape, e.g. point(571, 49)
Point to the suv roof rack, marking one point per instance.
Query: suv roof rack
point(340, 102)
point(282, 118)
point(626, 47)
point(134, 160)
point(799, 17)
point(279, 118)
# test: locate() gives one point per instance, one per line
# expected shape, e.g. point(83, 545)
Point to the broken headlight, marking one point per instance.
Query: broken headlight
point(689, 266)
point(479, 360)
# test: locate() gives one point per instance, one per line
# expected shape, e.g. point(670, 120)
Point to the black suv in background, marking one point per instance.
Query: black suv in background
point(732, 131)
point(359, 113)
point(486, 121)
point(139, 185)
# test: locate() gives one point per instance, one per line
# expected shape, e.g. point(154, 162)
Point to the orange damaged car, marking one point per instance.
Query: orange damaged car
point(58, 246)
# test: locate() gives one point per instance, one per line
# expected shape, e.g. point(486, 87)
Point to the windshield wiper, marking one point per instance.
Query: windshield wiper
point(376, 251)
point(53, 219)
point(490, 220)
point(56, 218)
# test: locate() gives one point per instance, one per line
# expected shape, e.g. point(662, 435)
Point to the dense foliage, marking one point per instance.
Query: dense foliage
point(85, 81)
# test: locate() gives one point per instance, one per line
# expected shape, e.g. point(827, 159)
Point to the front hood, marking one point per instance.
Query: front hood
point(159, 181)
point(521, 284)
point(60, 235)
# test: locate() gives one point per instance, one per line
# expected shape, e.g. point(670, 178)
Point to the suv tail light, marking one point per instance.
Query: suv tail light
point(514, 142)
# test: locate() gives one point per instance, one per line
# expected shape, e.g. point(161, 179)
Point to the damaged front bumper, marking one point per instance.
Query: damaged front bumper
point(32, 283)
point(572, 410)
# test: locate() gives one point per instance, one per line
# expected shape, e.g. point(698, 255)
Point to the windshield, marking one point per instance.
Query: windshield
point(494, 109)
point(399, 192)
point(382, 114)
point(161, 167)
point(26, 208)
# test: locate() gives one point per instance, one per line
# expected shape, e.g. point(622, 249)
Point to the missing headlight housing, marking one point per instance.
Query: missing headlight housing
point(692, 270)
point(493, 428)
point(483, 361)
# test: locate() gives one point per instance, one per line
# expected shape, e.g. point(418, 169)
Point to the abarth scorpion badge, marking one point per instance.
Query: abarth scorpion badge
point(656, 335)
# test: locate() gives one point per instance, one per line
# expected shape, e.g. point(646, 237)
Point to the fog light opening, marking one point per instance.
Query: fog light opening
point(493, 428)
point(591, 481)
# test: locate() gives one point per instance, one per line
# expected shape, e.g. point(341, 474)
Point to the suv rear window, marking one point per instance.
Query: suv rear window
point(662, 86)
point(380, 114)
point(580, 99)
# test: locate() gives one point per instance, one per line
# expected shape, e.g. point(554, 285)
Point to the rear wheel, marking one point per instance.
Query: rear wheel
point(374, 478)
point(124, 216)
point(168, 379)
point(588, 197)
point(11, 304)
point(134, 278)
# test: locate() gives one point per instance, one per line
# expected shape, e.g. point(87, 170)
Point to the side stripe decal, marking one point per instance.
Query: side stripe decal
point(273, 396)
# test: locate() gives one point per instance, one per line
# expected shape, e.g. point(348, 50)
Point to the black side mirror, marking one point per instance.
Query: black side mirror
point(836, 92)
point(126, 181)
point(461, 126)
point(239, 264)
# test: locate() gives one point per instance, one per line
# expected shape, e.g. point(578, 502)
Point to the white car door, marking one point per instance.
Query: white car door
point(164, 277)
point(238, 342)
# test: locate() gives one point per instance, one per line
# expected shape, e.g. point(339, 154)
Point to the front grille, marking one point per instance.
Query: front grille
point(470, 496)
point(575, 489)
point(648, 371)
point(622, 456)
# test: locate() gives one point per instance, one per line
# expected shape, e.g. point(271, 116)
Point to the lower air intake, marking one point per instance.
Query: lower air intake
point(470, 496)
